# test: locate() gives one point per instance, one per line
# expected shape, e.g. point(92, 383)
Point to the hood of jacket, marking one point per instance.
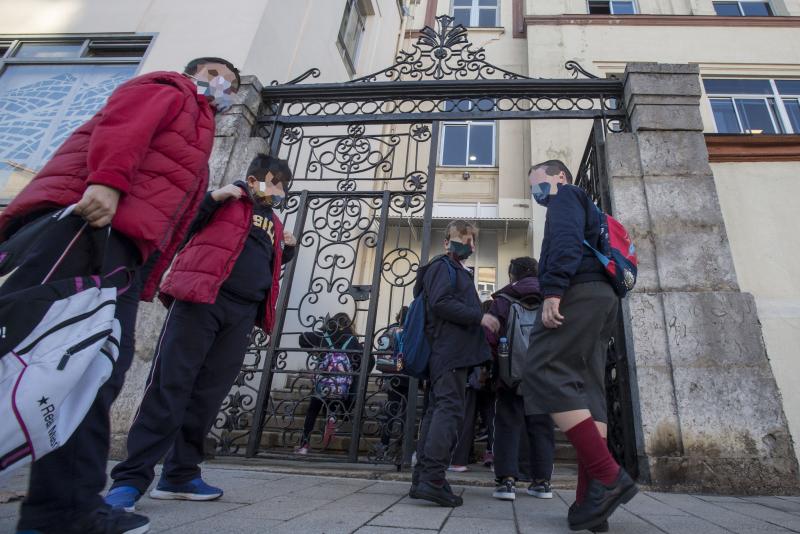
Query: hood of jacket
point(526, 290)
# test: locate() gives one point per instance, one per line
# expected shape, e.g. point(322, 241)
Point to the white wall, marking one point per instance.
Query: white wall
point(759, 204)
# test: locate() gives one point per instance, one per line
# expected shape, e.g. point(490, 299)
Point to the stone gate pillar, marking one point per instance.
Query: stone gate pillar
point(234, 148)
point(710, 413)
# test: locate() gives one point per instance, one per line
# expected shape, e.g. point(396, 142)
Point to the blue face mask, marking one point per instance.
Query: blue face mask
point(460, 250)
point(541, 193)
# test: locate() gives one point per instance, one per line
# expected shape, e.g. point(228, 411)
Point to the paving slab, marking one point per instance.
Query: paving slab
point(768, 515)
point(473, 525)
point(369, 529)
point(777, 503)
point(424, 515)
point(363, 502)
point(227, 523)
point(680, 524)
point(327, 521)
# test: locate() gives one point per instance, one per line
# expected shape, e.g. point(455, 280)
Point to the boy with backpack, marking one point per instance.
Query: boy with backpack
point(222, 283)
point(452, 326)
point(516, 307)
point(565, 372)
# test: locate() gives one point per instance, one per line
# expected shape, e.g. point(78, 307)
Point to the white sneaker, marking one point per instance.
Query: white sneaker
point(458, 468)
point(541, 490)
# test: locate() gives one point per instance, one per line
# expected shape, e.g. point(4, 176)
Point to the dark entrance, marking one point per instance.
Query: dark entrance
point(364, 156)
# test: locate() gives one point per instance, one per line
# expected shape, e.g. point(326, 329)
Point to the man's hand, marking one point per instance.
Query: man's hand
point(229, 191)
point(98, 205)
point(490, 321)
point(551, 317)
point(289, 239)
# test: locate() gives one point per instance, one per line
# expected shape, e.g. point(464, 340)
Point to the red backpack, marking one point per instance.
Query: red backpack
point(617, 253)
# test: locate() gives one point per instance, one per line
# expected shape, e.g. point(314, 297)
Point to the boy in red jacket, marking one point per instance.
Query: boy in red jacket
point(223, 282)
point(141, 165)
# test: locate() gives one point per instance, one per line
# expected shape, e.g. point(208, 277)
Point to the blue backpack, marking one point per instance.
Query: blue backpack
point(413, 347)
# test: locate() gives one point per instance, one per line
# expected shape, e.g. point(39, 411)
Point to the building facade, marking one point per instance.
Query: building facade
point(59, 60)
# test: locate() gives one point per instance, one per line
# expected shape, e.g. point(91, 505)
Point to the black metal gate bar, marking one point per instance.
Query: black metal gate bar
point(369, 332)
point(267, 374)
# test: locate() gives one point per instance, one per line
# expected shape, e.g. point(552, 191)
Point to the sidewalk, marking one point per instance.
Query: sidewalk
point(259, 500)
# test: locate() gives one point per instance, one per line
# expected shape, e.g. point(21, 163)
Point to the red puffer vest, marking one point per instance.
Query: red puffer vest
point(207, 259)
point(151, 141)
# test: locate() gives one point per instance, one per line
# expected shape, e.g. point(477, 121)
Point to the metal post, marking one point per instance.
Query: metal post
point(369, 333)
point(283, 298)
point(410, 428)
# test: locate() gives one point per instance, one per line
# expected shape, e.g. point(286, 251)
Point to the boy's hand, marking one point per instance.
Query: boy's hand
point(490, 321)
point(229, 191)
point(288, 239)
point(551, 316)
point(98, 205)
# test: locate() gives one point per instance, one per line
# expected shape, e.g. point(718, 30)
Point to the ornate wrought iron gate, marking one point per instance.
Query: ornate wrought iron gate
point(361, 203)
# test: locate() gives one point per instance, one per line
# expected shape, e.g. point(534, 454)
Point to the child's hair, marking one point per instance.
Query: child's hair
point(339, 323)
point(263, 164)
point(524, 267)
point(553, 167)
point(193, 65)
point(461, 227)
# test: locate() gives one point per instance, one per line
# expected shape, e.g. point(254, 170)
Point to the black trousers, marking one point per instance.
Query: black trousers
point(66, 484)
point(466, 436)
point(198, 356)
point(440, 426)
point(510, 422)
point(567, 364)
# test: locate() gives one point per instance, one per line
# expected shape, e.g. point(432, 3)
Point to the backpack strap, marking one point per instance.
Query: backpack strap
point(451, 271)
point(346, 343)
point(512, 300)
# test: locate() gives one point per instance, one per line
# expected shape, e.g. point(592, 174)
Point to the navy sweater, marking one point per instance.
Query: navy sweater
point(565, 260)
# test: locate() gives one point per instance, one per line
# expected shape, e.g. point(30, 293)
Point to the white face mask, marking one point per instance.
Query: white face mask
point(217, 88)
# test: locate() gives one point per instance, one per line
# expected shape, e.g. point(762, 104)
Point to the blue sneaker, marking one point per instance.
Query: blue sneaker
point(194, 490)
point(123, 497)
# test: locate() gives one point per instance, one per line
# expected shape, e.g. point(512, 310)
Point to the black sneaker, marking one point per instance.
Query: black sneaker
point(107, 521)
point(441, 495)
point(541, 490)
point(601, 501)
point(602, 527)
point(505, 490)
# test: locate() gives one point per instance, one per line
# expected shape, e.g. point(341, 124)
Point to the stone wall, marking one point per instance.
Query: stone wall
point(234, 147)
point(710, 414)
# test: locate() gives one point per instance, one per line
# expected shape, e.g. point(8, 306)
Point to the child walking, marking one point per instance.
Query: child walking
point(224, 280)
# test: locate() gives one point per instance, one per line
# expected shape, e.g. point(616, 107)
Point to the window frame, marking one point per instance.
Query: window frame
point(475, 13)
point(350, 61)
point(780, 118)
point(611, 7)
point(143, 40)
point(741, 10)
point(468, 124)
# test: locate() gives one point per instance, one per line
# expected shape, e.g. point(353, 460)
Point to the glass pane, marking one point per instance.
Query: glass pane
point(599, 8)
point(725, 116)
point(755, 115)
point(454, 146)
point(481, 140)
point(756, 9)
point(788, 87)
point(487, 18)
point(48, 50)
point(622, 8)
point(773, 108)
point(40, 105)
point(345, 18)
point(462, 3)
point(793, 110)
point(727, 9)
point(492, 3)
point(737, 87)
point(461, 16)
point(486, 104)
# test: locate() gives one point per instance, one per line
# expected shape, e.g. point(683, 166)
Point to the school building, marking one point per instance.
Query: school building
point(703, 169)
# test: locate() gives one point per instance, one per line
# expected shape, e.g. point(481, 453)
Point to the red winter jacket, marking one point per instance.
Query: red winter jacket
point(151, 141)
point(207, 259)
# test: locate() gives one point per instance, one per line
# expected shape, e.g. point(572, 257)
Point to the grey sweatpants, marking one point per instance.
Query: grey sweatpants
point(440, 426)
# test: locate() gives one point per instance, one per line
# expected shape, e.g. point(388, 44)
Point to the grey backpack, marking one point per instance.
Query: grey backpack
point(518, 332)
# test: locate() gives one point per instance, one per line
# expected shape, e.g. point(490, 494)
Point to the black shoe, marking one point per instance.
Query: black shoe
point(412, 492)
point(441, 495)
point(602, 527)
point(108, 521)
point(505, 489)
point(601, 501)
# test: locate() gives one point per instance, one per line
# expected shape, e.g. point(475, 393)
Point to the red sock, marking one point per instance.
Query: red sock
point(593, 452)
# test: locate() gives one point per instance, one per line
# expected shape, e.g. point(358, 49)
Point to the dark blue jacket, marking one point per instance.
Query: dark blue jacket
point(453, 317)
point(565, 260)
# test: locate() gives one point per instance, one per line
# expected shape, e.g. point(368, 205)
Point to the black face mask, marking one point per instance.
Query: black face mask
point(460, 250)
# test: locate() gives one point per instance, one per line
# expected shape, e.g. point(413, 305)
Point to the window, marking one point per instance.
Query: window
point(612, 7)
point(754, 106)
point(351, 30)
point(476, 13)
point(50, 86)
point(468, 143)
point(487, 278)
point(743, 8)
